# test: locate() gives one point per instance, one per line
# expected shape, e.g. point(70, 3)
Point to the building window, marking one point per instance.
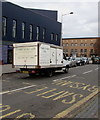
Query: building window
point(85, 44)
point(44, 33)
point(81, 44)
point(72, 50)
point(72, 44)
point(23, 30)
point(64, 50)
point(38, 33)
point(52, 36)
point(67, 50)
point(91, 44)
point(91, 51)
point(63, 44)
point(66, 44)
point(4, 26)
point(56, 37)
point(76, 44)
point(76, 51)
point(81, 50)
point(85, 50)
point(31, 32)
point(14, 28)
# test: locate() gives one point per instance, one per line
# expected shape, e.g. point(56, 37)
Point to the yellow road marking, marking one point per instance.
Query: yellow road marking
point(29, 114)
point(11, 113)
point(46, 92)
point(36, 90)
point(76, 105)
point(53, 95)
point(7, 107)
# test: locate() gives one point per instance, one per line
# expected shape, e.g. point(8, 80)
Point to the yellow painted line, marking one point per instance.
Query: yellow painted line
point(28, 114)
point(36, 90)
point(76, 105)
point(11, 113)
point(7, 107)
point(46, 92)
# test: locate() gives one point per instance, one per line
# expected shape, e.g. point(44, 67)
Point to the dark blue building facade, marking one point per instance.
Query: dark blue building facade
point(27, 25)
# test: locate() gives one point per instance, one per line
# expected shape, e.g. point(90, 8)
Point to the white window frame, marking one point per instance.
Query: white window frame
point(14, 28)
point(4, 26)
point(31, 31)
point(56, 37)
point(37, 33)
point(52, 36)
point(44, 33)
point(23, 30)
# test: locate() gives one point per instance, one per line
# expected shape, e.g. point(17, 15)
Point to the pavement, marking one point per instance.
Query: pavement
point(6, 68)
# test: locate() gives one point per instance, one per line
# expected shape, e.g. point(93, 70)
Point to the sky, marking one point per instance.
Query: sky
point(84, 21)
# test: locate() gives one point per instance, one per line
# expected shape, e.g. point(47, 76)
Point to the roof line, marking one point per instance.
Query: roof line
point(81, 38)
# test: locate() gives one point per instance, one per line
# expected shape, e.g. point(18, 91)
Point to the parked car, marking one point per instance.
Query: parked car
point(90, 60)
point(86, 60)
point(72, 62)
point(79, 61)
point(96, 60)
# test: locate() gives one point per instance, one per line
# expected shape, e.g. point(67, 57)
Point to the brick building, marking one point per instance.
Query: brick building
point(81, 46)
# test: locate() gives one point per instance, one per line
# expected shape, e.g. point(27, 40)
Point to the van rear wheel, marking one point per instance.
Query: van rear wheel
point(31, 74)
point(49, 73)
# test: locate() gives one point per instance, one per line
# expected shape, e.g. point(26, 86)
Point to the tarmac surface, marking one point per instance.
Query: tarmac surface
point(72, 95)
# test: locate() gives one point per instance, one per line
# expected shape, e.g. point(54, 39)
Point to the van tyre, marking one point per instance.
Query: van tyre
point(31, 75)
point(66, 70)
point(49, 73)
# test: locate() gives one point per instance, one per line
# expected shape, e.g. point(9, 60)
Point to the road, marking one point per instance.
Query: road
point(61, 96)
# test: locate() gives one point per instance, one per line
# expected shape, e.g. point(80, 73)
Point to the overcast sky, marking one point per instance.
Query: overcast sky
point(84, 21)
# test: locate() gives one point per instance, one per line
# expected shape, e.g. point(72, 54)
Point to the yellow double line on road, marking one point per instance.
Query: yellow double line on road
point(76, 105)
point(11, 113)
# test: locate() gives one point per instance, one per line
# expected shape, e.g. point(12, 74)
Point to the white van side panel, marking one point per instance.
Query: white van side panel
point(59, 56)
point(53, 58)
point(44, 55)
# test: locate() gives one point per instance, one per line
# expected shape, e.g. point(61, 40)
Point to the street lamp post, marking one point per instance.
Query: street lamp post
point(61, 25)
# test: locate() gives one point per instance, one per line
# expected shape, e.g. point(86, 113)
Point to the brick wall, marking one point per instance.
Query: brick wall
point(81, 46)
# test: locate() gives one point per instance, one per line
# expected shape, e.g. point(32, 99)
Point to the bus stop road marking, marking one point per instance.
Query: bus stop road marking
point(10, 114)
point(76, 105)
